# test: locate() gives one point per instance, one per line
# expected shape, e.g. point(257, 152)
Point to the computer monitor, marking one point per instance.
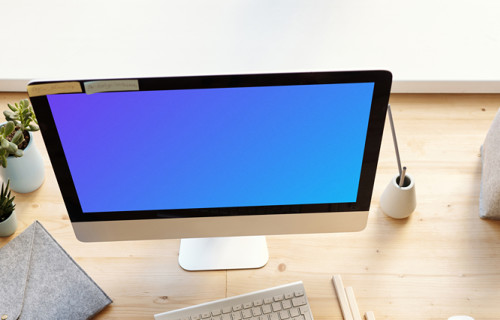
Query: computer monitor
point(215, 159)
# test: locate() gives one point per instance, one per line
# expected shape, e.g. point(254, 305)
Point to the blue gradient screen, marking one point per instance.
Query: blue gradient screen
point(222, 147)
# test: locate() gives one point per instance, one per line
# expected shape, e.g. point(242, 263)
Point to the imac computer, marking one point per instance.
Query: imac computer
point(217, 161)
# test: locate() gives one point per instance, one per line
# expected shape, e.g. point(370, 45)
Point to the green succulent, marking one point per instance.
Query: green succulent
point(7, 204)
point(21, 118)
point(7, 147)
point(22, 115)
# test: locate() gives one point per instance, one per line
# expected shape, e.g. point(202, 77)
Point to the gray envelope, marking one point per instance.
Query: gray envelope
point(39, 280)
point(489, 195)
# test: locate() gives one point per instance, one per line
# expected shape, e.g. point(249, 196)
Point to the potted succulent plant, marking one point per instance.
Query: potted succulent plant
point(8, 220)
point(20, 160)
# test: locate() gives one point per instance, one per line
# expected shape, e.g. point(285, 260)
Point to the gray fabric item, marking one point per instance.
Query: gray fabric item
point(489, 196)
point(39, 280)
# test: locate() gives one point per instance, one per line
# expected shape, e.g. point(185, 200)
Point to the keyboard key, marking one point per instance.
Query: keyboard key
point(299, 293)
point(304, 309)
point(284, 315)
point(246, 313)
point(216, 312)
point(263, 317)
point(237, 307)
point(266, 309)
point(299, 301)
point(278, 297)
point(273, 316)
point(287, 304)
point(276, 306)
point(257, 303)
point(227, 309)
point(295, 312)
point(216, 318)
point(301, 317)
point(236, 315)
point(226, 316)
point(268, 300)
point(205, 315)
point(247, 305)
point(195, 317)
point(256, 311)
point(289, 295)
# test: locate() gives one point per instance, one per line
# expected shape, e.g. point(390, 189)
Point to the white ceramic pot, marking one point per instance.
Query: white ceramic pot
point(399, 202)
point(8, 226)
point(25, 173)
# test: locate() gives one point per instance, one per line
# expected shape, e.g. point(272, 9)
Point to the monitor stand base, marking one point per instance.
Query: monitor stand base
point(223, 253)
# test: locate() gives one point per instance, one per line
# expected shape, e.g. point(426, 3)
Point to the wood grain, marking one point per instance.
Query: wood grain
point(441, 261)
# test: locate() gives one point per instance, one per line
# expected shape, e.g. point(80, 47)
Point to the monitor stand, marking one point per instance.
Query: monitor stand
point(223, 253)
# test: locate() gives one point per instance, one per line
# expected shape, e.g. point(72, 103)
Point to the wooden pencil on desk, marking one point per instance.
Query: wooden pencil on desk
point(339, 289)
point(352, 303)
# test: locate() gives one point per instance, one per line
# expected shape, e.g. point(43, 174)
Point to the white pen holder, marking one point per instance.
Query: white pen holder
point(399, 202)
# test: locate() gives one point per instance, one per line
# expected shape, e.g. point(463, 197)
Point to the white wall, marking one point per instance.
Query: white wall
point(429, 45)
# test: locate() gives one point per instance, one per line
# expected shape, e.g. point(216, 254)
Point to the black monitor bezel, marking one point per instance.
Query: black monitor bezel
point(382, 80)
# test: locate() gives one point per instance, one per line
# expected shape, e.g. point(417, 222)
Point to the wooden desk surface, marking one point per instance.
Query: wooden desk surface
point(441, 261)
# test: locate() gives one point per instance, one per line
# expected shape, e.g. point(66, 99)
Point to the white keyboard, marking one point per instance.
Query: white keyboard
point(286, 302)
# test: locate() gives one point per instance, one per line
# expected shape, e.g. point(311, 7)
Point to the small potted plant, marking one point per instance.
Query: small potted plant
point(20, 160)
point(8, 220)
